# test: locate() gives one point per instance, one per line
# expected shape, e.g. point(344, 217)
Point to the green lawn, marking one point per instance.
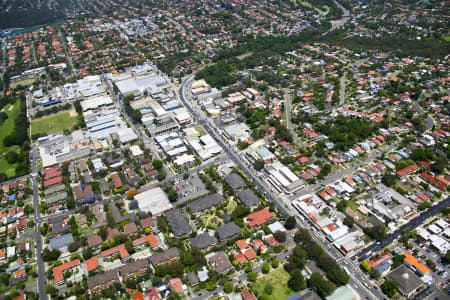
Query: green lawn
point(278, 279)
point(6, 129)
point(53, 124)
point(352, 205)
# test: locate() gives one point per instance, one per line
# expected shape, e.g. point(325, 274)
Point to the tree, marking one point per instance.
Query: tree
point(131, 193)
point(252, 276)
point(349, 221)
point(161, 176)
point(103, 232)
point(397, 260)
point(439, 165)
point(275, 263)
point(12, 157)
point(342, 205)
point(87, 252)
point(389, 179)
point(266, 268)
point(228, 287)
point(321, 286)
point(280, 236)
point(375, 274)
point(28, 209)
point(160, 271)
point(259, 164)
point(296, 282)
point(365, 266)
point(173, 195)
point(73, 246)
point(157, 164)
point(268, 289)
point(175, 269)
point(389, 287)
point(188, 259)
point(290, 223)
point(377, 232)
point(424, 205)
point(43, 229)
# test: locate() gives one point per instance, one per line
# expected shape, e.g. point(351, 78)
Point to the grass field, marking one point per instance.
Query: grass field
point(278, 279)
point(53, 124)
point(26, 82)
point(6, 129)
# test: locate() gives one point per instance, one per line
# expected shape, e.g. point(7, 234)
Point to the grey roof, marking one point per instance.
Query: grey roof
point(220, 262)
point(61, 241)
point(163, 257)
point(228, 231)
point(177, 222)
point(206, 203)
point(118, 218)
point(235, 181)
point(192, 278)
point(59, 227)
point(203, 241)
point(94, 240)
point(309, 295)
point(101, 279)
point(406, 280)
point(248, 198)
point(134, 267)
point(18, 280)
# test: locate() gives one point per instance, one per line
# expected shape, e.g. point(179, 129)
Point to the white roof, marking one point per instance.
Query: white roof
point(441, 223)
point(126, 135)
point(277, 226)
point(154, 201)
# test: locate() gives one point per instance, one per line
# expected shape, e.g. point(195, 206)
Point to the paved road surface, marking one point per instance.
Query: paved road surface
point(287, 105)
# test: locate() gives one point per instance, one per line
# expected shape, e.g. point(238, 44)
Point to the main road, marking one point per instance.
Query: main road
point(355, 276)
point(287, 105)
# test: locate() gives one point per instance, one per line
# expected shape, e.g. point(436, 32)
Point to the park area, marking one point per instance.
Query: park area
point(54, 124)
point(12, 110)
point(278, 280)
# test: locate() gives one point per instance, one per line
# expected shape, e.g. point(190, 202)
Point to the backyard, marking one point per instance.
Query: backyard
point(54, 124)
point(12, 110)
point(278, 279)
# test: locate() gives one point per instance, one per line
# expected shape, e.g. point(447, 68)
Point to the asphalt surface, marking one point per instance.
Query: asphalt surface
point(36, 234)
point(413, 224)
point(287, 105)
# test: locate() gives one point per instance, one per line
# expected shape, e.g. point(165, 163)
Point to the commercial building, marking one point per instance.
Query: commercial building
point(154, 201)
point(407, 282)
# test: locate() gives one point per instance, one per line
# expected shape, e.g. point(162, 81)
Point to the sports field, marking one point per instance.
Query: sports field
point(6, 129)
point(54, 124)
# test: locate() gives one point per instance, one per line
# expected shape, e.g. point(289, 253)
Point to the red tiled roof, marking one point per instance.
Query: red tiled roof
point(408, 170)
point(151, 239)
point(242, 244)
point(250, 254)
point(259, 218)
point(118, 249)
point(53, 181)
point(58, 271)
point(176, 285)
point(240, 258)
point(91, 264)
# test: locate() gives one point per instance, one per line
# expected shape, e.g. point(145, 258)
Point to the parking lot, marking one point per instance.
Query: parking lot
point(190, 188)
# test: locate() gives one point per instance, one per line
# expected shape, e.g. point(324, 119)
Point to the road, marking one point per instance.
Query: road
point(342, 90)
point(429, 121)
point(413, 224)
point(355, 275)
point(287, 105)
point(341, 22)
point(37, 219)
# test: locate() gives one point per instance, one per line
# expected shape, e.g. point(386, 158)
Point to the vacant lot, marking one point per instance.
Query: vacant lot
point(53, 124)
point(6, 129)
point(278, 279)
